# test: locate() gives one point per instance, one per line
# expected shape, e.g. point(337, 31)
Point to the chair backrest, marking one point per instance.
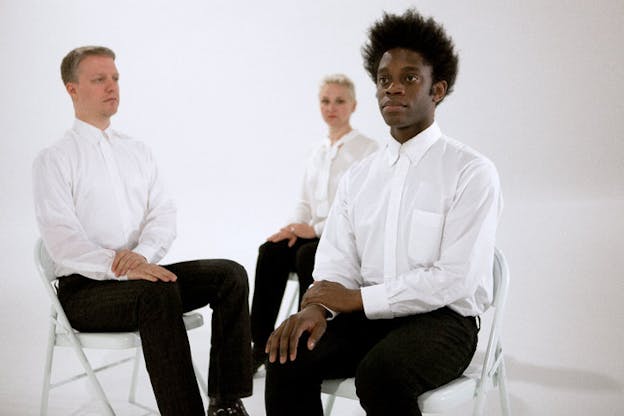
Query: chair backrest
point(45, 267)
point(500, 273)
point(501, 279)
point(43, 261)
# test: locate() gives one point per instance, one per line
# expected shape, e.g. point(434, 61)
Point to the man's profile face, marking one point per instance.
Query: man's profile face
point(404, 92)
point(96, 92)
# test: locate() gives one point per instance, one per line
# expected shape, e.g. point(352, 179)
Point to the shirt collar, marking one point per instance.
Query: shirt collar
point(415, 147)
point(92, 133)
point(344, 139)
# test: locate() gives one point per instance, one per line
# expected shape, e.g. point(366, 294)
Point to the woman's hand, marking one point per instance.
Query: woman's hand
point(283, 234)
point(291, 232)
point(302, 230)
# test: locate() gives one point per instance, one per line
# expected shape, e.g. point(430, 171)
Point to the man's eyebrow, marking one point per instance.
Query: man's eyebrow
point(412, 68)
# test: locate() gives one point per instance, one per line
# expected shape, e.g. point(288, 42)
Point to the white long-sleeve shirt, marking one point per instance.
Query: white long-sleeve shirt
point(414, 227)
point(97, 192)
point(323, 171)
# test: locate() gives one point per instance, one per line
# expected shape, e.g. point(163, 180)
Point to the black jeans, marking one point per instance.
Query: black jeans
point(275, 262)
point(393, 361)
point(155, 310)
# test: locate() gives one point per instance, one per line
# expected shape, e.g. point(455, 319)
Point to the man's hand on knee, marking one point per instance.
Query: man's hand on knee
point(284, 341)
point(126, 260)
point(151, 272)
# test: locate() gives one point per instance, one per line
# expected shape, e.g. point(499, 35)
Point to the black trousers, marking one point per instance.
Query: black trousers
point(155, 310)
point(274, 264)
point(393, 361)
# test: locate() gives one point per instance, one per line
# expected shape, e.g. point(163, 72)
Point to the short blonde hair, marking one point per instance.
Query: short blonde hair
point(69, 65)
point(339, 79)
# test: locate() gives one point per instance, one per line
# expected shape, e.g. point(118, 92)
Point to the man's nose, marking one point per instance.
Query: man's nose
point(111, 85)
point(395, 88)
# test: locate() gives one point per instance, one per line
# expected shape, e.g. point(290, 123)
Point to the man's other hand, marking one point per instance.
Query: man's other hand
point(334, 296)
point(284, 340)
point(126, 260)
point(151, 272)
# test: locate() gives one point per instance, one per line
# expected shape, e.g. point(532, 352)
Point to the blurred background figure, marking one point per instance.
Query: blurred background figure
point(293, 247)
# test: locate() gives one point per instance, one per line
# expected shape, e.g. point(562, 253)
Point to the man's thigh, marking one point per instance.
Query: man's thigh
point(425, 350)
point(203, 282)
point(109, 305)
point(346, 341)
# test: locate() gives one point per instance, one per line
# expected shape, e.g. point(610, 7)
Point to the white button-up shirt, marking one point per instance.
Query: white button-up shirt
point(97, 192)
point(323, 172)
point(414, 227)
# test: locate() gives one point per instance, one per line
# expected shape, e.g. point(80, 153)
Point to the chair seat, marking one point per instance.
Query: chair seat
point(448, 396)
point(120, 340)
point(438, 400)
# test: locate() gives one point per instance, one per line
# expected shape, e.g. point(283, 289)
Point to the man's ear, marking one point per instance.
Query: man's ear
point(438, 91)
point(71, 89)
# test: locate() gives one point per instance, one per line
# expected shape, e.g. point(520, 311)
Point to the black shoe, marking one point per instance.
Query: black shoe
point(233, 408)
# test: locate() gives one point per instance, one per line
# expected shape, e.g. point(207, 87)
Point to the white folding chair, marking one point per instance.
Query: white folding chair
point(477, 380)
point(61, 334)
point(293, 303)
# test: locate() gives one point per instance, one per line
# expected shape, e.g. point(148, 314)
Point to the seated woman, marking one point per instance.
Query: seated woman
point(293, 247)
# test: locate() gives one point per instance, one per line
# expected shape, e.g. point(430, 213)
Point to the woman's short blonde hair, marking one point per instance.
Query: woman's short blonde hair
point(339, 79)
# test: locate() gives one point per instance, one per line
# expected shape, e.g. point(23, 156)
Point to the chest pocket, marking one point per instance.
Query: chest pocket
point(425, 236)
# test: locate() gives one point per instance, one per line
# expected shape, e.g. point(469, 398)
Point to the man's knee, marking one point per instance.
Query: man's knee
point(160, 297)
point(271, 249)
point(235, 278)
point(381, 381)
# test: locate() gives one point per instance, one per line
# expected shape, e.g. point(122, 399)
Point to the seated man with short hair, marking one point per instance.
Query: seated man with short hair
point(106, 221)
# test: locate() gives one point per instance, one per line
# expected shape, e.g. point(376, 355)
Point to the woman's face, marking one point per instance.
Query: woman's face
point(336, 104)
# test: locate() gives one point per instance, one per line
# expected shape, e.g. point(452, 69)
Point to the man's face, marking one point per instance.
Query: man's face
point(96, 92)
point(405, 93)
point(336, 104)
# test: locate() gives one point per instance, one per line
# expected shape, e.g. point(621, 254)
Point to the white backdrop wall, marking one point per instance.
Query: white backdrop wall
point(224, 92)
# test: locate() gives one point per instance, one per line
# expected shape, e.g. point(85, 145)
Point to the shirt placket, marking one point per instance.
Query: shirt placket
point(322, 185)
point(118, 187)
point(392, 217)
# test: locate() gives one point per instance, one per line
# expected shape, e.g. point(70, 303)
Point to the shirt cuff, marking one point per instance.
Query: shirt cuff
point(375, 302)
point(146, 251)
point(318, 228)
point(332, 313)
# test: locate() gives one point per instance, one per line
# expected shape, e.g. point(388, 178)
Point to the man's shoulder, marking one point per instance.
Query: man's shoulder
point(461, 153)
point(123, 136)
point(61, 148)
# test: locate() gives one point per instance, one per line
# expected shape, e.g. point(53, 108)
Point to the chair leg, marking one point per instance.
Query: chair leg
point(200, 380)
point(135, 375)
point(329, 404)
point(292, 307)
point(502, 389)
point(47, 371)
point(479, 404)
point(97, 387)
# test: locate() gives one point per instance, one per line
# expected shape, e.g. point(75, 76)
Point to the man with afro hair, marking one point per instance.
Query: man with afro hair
point(404, 268)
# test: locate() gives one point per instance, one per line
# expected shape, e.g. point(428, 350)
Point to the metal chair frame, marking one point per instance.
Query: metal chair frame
point(61, 334)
